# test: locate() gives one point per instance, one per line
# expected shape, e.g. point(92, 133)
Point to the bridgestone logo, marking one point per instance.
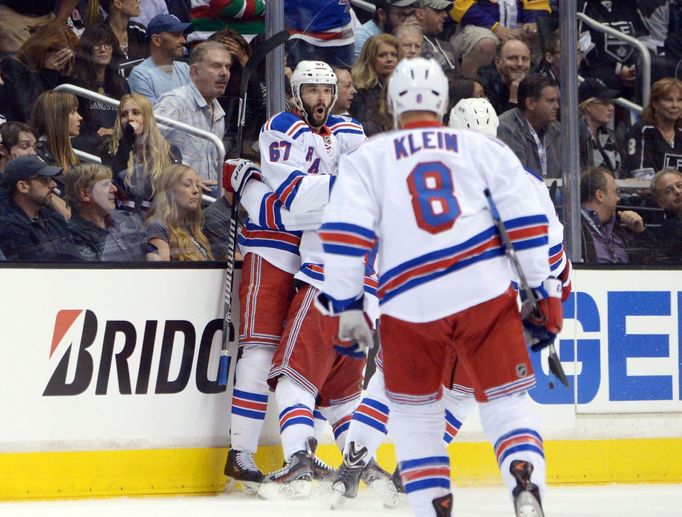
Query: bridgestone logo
point(182, 333)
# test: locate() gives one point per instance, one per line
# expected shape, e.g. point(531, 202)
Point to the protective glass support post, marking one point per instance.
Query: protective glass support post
point(570, 157)
point(274, 61)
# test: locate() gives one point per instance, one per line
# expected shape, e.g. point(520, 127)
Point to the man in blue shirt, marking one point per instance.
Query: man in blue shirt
point(161, 71)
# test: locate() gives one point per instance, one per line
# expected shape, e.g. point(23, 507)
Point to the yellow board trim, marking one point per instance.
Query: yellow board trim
point(54, 475)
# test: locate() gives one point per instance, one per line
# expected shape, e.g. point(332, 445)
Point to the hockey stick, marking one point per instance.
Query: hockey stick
point(554, 363)
point(228, 328)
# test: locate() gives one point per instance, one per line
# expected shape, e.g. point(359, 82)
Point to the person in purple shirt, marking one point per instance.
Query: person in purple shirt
point(609, 236)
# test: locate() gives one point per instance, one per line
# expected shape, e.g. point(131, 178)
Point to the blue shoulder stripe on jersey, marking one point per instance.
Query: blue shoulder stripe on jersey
point(556, 248)
point(360, 231)
point(283, 121)
point(298, 133)
point(251, 226)
point(349, 130)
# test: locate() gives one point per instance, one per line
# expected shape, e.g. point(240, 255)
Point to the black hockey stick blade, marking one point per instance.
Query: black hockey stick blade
point(555, 366)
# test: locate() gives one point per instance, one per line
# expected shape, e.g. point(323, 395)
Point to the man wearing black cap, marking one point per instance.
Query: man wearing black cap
point(29, 229)
point(431, 17)
point(161, 72)
point(388, 15)
point(599, 145)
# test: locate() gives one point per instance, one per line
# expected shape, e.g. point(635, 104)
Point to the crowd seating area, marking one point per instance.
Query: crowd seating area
point(143, 201)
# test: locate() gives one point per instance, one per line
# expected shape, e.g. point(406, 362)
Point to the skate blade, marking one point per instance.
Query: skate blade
point(246, 487)
point(385, 489)
point(338, 499)
point(298, 489)
point(528, 506)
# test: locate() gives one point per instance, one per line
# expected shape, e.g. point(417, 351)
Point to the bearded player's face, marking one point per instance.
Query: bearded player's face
point(317, 101)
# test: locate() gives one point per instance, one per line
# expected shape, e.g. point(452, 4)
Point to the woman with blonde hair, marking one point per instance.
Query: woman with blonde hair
point(378, 58)
point(655, 142)
point(55, 120)
point(138, 153)
point(174, 224)
point(44, 61)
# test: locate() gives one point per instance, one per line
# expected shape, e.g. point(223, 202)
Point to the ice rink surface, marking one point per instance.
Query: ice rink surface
point(565, 501)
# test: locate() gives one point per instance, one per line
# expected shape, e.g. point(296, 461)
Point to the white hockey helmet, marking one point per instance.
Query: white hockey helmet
point(476, 114)
point(417, 84)
point(312, 72)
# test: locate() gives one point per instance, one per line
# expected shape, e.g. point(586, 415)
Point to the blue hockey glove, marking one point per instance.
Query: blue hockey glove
point(542, 326)
point(354, 337)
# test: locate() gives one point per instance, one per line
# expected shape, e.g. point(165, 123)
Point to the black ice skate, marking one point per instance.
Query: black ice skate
point(345, 485)
point(241, 467)
point(526, 494)
point(443, 505)
point(321, 471)
point(295, 477)
point(381, 482)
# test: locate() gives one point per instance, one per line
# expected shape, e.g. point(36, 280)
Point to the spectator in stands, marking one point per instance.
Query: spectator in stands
point(550, 65)
point(132, 36)
point(16, 139)
point(21, 18)
point(655, 142)
point(484, 25)
point(96, 71)
point(411, 38)
point(320, 31)
point(149, 9)
point(56, 121)
point(174, 225)
point(43, 62)
point(599, 145)
point(196, 104)
point(608, 236)
point(388, 15)
point(29, 229)
point(346, 91)
point(162, 71)
point(99, 231)
point(611, 60)
point(241, 51)
point(461, 89)
point(431, 17)
point(501, 79)
point(217, 218)
point(376, 63)
point(531, 130)
point(666, 187)
point(138, 154)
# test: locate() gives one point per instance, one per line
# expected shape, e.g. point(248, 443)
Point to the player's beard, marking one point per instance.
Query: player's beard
point(315, 117)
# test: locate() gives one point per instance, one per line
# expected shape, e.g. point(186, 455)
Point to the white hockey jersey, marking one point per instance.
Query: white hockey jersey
point(419, 192)
point(299, 167)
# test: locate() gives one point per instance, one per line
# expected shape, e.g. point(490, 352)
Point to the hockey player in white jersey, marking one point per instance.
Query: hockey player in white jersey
point(444, 283)
point(368, 426)
point(270, 244)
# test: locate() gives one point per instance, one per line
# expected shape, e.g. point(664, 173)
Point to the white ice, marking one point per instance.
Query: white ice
point(564, 501)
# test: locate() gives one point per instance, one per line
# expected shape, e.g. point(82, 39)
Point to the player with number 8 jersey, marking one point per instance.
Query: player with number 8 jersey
point(444, 279)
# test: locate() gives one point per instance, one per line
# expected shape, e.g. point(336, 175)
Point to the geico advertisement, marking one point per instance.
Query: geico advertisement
point(626, 353)
point(112, 355)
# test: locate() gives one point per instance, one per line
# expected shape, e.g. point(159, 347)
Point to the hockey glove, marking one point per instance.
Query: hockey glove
point(240, 173)
point(542, 325)
point(354, 336)
point(565, 278)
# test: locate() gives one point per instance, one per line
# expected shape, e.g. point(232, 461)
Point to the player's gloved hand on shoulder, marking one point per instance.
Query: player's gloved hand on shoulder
point(241, 172)
point(354, 337)
point(542, 325)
